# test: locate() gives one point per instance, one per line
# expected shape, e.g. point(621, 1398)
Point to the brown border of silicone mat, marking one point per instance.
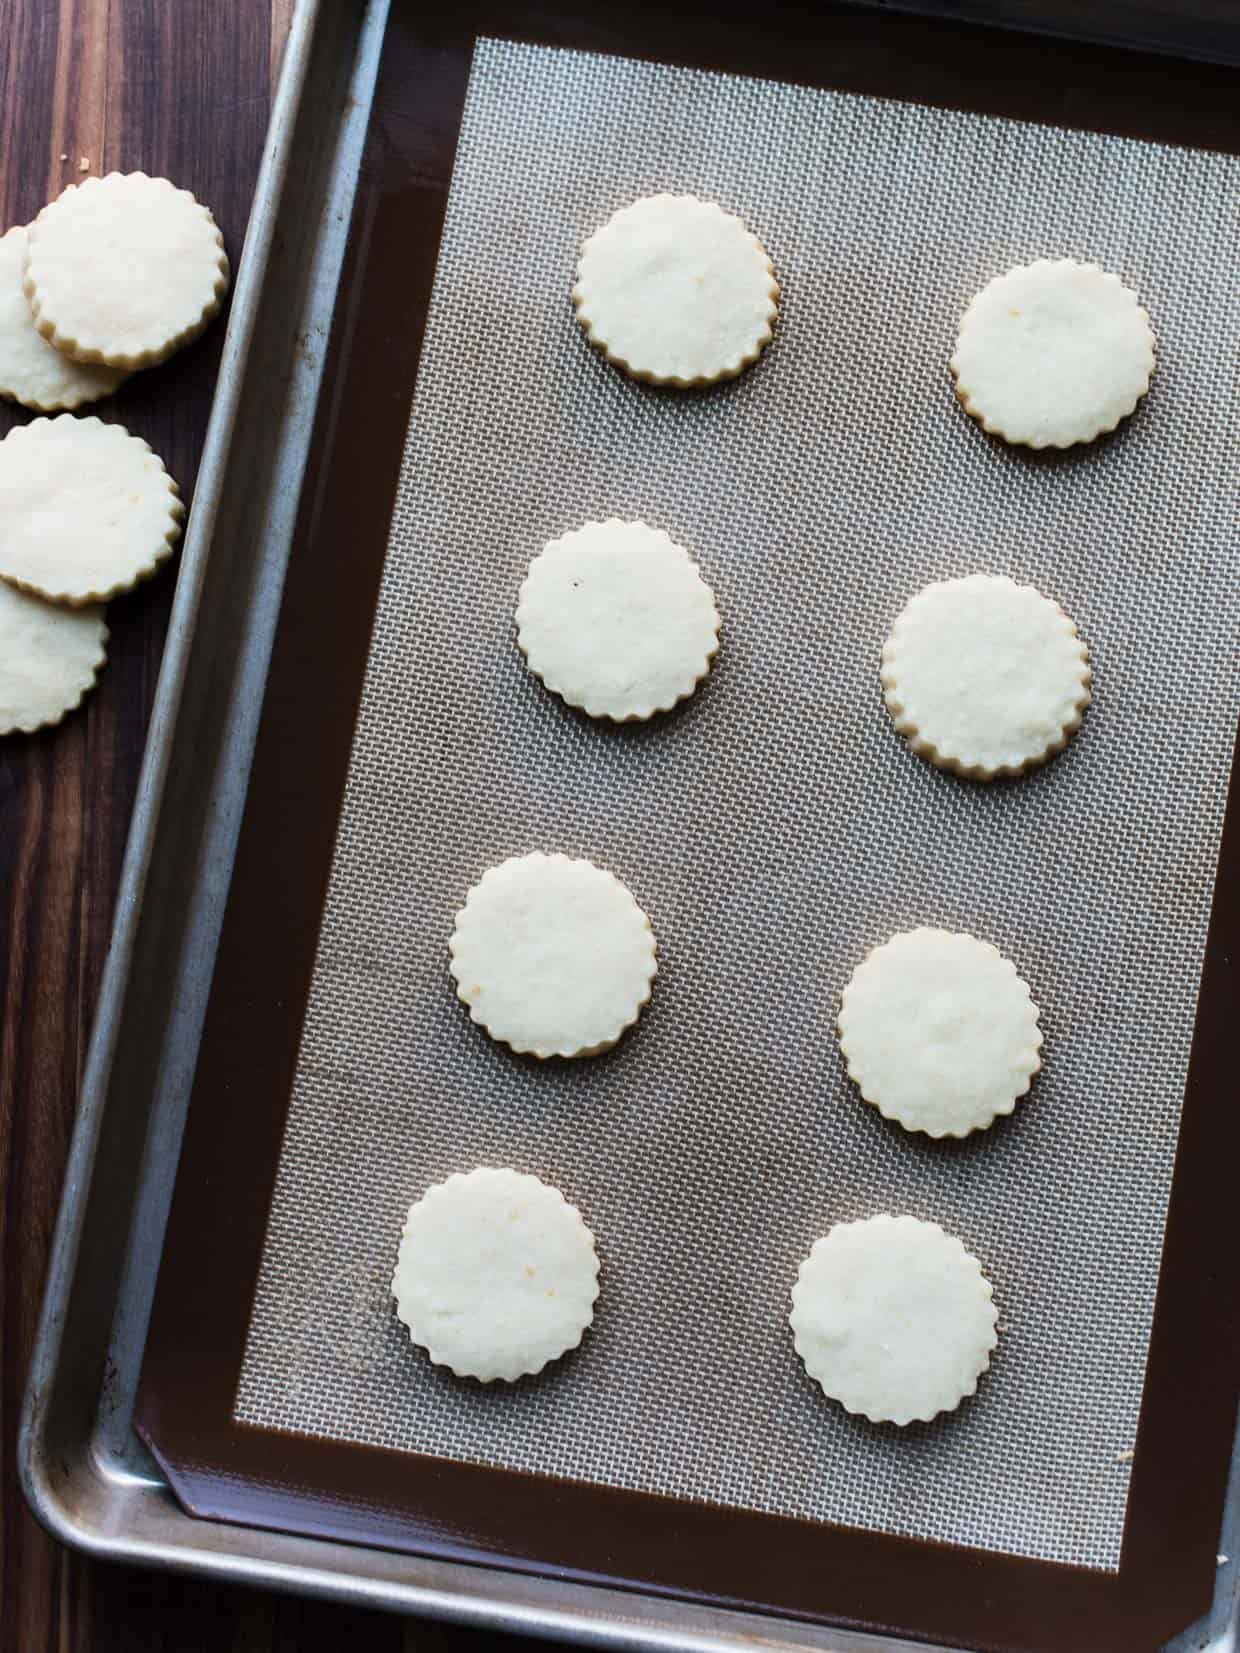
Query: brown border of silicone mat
point(266, 1478)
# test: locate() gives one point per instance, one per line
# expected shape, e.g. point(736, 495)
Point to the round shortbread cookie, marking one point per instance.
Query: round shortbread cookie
point(497, 1274)
point(676, 291)
point(31, 371)
point(49, 658)
point(616, 618)
point(1053, 353)
point(894, 1318)
point(124, 270)
point(553, 956)
point(985, 677)
point(939, 1032)
point(86, 509)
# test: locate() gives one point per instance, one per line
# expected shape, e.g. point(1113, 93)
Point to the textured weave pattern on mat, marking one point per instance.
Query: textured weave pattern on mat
point(776, 827)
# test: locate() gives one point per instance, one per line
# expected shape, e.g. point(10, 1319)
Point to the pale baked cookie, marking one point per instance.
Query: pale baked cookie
point(1053, 353)
point(676, 291)
point(31, 372)
point(496, 1275)
point(86, 510)
point(939, 1032)
point(894, 1318)
point(49, 658)
point(985, 677)
point(124, 270)
point(615, 617)
point(552, 956)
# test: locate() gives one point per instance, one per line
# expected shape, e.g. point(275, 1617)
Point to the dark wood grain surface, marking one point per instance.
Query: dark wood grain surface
point(182, 88)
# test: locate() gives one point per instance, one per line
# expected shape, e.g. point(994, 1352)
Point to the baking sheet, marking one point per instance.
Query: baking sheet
point(776, 827)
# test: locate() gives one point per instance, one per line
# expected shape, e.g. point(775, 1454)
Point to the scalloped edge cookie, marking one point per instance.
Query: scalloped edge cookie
point(676, 291)
point(532, 961)
point(985, 677)
point(496, 1276)
point(939, 1032)
point(124, 270)
point(86, 509)
point(893, 1319)
point(616, 619)
point(1053, 353)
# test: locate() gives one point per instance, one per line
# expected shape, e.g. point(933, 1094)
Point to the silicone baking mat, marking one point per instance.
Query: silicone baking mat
point(776, 827)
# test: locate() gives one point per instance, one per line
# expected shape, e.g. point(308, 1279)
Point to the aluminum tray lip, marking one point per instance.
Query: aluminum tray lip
point(594, 1615)
point(585, 1615)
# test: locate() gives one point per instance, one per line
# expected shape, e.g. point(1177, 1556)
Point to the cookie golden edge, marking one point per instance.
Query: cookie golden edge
point(991, 429)
point(437, 1358)
point(732, 370)
point(541, 1055)
point(656, 708)
point(1032, 1056)
point(64, 405)
point(953, 762)
point(1034, 446)
point(128, 361)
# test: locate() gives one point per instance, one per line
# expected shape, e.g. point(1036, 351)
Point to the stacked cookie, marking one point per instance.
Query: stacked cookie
point(113, 276)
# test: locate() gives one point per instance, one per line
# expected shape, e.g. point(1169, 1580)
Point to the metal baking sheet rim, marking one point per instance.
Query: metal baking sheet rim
point(107, 1504)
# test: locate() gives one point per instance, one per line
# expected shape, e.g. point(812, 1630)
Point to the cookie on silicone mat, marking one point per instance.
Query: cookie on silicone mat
point(1053, 353)
point(31, 371)
point(497, 1274)
point(552, 956)
point(893, 1318)
point(676, 291)
point(939, 1032)
point(616, 619)
point(50, 656)
point(86, 509)
point(985, 677)
point(124, 270)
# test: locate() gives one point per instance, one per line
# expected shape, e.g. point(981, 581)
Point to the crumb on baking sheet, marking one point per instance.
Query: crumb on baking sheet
point(1125, 1457)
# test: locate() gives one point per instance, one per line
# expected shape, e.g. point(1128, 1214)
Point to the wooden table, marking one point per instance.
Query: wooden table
point(181, 88)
